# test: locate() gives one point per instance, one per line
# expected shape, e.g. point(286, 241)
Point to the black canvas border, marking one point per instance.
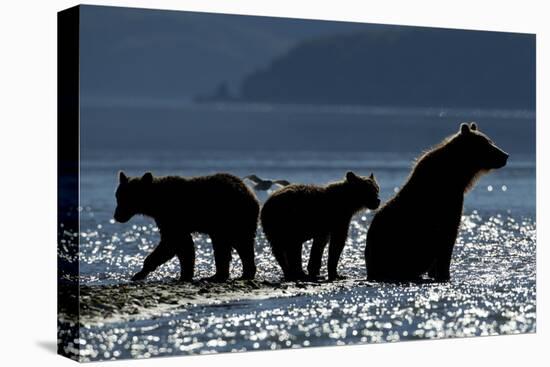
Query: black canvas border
point(68, 181)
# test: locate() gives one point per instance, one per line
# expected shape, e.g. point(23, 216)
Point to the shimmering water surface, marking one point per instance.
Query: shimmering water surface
point(492, 290)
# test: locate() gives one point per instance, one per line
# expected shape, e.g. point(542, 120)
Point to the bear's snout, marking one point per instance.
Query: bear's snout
point(497, 158)
point(503, 159)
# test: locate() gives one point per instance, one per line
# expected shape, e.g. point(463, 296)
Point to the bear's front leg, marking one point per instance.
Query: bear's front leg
point(440, 270)
point(337, 243)
point(245, 249)
point(161, 254)
point(186, 257)
point(222, 258)
point(316, 255)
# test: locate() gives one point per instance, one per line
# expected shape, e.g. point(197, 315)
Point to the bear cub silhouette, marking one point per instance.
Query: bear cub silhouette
point(415, 231)
point(298, 213)
point(220, 205)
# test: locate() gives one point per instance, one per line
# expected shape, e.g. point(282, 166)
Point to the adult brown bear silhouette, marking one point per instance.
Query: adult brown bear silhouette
point(298, 213)
point(415, 231)
point(219, 205)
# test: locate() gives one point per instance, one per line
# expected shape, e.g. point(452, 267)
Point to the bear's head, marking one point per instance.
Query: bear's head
point(130, 196)
point(476, 148)
point(364, 189)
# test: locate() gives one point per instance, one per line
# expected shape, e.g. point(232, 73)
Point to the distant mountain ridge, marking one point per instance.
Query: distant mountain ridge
point(405, 66)
point(158, 55)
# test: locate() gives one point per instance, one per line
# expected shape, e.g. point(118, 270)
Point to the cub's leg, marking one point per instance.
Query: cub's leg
point(294, 259)
point(280, 256)
point(161, 254)
point(245, 250)
point(337, 243)
point(317, 248)
point(222, 257)
point(186, 255)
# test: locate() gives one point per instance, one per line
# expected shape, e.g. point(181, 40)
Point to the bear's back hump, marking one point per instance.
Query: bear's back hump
point(207, 191)
point(297, 199)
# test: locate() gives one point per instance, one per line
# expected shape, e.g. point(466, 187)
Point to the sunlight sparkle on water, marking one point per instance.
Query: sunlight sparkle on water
point(492, 292)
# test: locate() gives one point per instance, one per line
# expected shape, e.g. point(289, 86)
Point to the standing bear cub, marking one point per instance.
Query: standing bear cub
point(415, 231)
point(219, 205)
point(298, 213)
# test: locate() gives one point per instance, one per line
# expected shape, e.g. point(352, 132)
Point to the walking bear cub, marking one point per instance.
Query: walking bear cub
point(219, 205)
point(298, 213)
point(415, 231)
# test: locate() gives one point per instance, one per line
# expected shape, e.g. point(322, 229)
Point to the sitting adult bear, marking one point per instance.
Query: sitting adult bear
point(415, 231)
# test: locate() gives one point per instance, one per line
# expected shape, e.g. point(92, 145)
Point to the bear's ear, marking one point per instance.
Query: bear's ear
point(122, 178)
point(350, 176)
point(464, 128)
point(371, 176)
point(147, 178)
point(473, 126)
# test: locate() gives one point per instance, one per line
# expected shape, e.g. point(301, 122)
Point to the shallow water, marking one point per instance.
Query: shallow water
point(492, 290)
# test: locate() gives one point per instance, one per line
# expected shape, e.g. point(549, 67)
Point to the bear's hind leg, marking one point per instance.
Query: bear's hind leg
point(245, 250)
point(161, 254)
point(401, 271)
point(294, 260)
point(281, 257)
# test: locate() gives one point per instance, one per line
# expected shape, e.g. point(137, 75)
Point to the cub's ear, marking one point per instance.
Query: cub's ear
point(122, 178)
point(464, 128)
point(473, 126)
point(371, 176)
point(350, 176)
point(147, 178)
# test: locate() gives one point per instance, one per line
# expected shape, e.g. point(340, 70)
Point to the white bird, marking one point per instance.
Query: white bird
point(265, 185)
